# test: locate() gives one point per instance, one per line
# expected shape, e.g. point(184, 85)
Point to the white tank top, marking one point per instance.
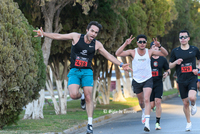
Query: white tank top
point(141, 67)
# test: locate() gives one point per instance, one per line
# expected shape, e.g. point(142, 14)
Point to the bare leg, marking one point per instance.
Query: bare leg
point(147, 93)
point(89, 100)
point(152, 104)
point(158, 107)
point(74, 91)
point(186, 109)
point(140, 97)
point(192, 97)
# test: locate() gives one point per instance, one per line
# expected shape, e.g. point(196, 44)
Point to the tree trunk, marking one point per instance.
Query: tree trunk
point(35, 108)
point(167, 84)
point(128, 92)
point(49, 86)
point(117, 94)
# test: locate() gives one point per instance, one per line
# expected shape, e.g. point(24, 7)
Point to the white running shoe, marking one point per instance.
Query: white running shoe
point(188, 126)
point(143, 118)
point(193, 109)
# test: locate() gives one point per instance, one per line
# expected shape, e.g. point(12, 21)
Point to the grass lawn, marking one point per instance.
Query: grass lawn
point(75, 115)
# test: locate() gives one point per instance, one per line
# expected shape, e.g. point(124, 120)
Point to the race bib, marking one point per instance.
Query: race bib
point(81, 61)
point(154, 72)
point(186, 68)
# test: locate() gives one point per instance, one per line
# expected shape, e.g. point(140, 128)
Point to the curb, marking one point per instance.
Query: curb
point(116, 114)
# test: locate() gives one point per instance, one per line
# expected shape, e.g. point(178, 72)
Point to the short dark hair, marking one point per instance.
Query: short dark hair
point(184, 31)
point(141, 36)
point(94, 23)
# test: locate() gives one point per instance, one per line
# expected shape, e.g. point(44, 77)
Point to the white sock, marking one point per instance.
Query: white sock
point(143, 110)
point(83, 96)
point(147, 120)
point(90, 120)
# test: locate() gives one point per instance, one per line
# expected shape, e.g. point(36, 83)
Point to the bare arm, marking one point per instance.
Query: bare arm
point(166, 73)
point(120, 51)
point(55, 36)
point(173, 64)
point(110, 57)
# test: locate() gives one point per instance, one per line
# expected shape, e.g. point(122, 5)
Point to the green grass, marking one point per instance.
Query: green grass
point(75, 115)
point(170, 92)
point(58, 123)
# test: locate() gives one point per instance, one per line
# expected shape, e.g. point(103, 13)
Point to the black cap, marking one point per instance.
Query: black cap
point(152, 43)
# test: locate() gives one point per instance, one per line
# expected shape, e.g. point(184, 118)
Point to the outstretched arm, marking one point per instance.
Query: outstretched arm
point(110, 57)
point(55, 36)
point(120, 51)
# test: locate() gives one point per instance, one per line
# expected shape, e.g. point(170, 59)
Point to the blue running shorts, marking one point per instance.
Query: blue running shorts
point(82, 77)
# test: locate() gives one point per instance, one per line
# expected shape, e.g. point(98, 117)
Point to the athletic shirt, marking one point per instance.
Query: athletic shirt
point(141, 67)
point(157, 65)
point(82, 54)
point(184, 70)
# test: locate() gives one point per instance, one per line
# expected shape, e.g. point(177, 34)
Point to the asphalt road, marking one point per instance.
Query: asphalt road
point(173, 121)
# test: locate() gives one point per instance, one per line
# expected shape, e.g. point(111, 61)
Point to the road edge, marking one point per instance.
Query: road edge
point(100, 120)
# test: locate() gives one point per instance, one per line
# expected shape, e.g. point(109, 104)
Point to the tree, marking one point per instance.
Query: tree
point(22, 68)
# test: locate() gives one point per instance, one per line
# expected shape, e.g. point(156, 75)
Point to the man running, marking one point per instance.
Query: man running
point(81, 74)
point(157, 64)
point(184, 59)
point(142, 78)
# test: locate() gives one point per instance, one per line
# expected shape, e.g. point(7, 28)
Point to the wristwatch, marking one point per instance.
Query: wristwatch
point(160, 46)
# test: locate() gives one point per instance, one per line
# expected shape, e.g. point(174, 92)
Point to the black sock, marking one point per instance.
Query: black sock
point(158, 120)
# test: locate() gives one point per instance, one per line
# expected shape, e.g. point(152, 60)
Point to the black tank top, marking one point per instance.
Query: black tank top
point(82, 54)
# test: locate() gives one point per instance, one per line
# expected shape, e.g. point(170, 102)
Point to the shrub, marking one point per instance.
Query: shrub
point(22, 70)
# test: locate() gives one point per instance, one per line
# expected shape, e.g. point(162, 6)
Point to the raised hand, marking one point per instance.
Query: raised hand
point(39, 32)
point(129, 40)
point(156, 42)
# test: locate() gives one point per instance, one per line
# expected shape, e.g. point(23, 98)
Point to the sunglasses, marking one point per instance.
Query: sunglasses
point(184, 37)
point(142, 41)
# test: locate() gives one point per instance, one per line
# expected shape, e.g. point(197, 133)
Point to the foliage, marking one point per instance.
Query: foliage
point(22, 69)
point(147, 17)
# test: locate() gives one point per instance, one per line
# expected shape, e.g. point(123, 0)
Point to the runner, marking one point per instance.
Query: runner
point(184, 59)
point(157, 64)
point(82, 52)
point(142, 78)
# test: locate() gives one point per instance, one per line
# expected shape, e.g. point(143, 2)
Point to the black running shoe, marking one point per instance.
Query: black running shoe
point(146, 129)
point(83, 104)
point(89, 129)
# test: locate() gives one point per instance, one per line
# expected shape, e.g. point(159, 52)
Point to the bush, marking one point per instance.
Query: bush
point(22, 71)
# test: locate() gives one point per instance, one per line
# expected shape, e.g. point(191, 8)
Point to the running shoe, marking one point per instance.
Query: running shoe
point(157, 126)
point(143, 118)
point(188, 126)
point(193, 109)
point(83, 106)
point(89, 129)
point(154, 109)
point(146, 128)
